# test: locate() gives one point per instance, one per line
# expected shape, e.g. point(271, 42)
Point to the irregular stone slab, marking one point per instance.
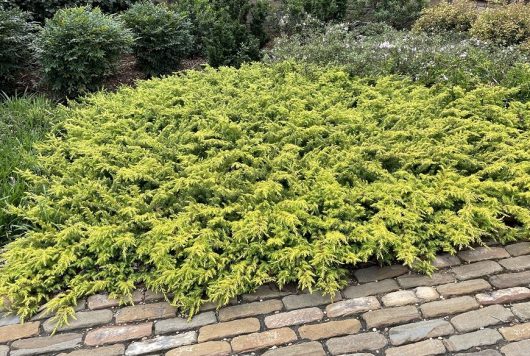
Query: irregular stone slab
point(181, 324)
point(407, 333)
point(9, 320)
point(83, 320)
point(228, 329)
point(462, 288)
point(507, 280)
point(522, 310)
point(257, 341)
point(520, 348)
point(112, 350)
point(478, 338)
point(306, 349)
point(477, 319)
point(250, 309)
point(330, 329)
point(295, 317)
point(399, 298)
point(145, 312)
point(516, 332)
point(18, 331)
point(308, 300)
point(426, 294)
point(446, 260)
point(478, 269)
point(417, 280)
point(217, 348)
point(448, 306)
point(161, 343)
point(42, 345)
point(377, 273)
point(503, 296)
point(423, 348)
point(390, 316)
point(372, 288)
point(519, 249)
point(352, 306)
point(483, 253)
point(516, 263)
point(354, 343)
point(115, 334)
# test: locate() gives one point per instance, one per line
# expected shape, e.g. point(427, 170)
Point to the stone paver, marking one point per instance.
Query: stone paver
point(308, 300)
point(461, 288)
point(329, 329)
point(390, 316)
point(294, 317)
point(426, 294)
point(210, 348)
point(516, 263)
point(518, 249)
point(257, 341)
point(306, 349)
point(503, 296)
point(112, 350)
point(520, 348)
point(372, 288)
point(416, 280)
point(82, 320)
point(517, 332)
point(422, 348)
point(355, 343)
point(9, 320)
point(477, 319)
point(377, 273)
point(42, 345)
point(352, 306)
point(413, 332)
point(145, 312)
point(180, 324)
point(250, 309)
point(477, 269)
point(446, 260)
point(448, 306)
point(481, 353)
point(228, 329)
point(522, 310)
point(101, 301)
point(399, 298)
point(267, 291)
point(18, 331)
point(463, 342)
point(483, 253)
point(115, 334)
point(507, 280)
point(4, 350)
point(161, 343)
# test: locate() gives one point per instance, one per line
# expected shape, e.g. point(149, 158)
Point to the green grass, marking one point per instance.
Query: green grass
point(23, 121)
point(209, 184)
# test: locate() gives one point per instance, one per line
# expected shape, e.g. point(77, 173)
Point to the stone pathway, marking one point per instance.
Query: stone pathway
point(477, 304)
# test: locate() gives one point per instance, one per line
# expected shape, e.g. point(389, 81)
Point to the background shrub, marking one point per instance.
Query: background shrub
point(79, 47)
point(16, 36)
point(324, 10)
point(505, 25)
point(457, 16)
point(163, 37)
point(23, 121)
point(428, 59)
point(397, 13)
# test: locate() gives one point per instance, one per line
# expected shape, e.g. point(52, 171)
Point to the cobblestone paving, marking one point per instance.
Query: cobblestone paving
point(477, 303)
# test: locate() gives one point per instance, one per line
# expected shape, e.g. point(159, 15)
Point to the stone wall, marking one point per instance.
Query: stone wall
point(478, 301)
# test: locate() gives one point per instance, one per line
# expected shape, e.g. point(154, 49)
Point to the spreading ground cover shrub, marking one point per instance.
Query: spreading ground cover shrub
point(79, 47)
point(163, 37)
point(208, 184)
point(23, 121)
point(16, 36)
point(398, 13)
point(429, 59)
point(505, 25)
point(458, 16)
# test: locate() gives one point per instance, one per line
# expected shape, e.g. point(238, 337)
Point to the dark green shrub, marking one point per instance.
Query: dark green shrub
point(209, 184)
point(398, 13)
point(163, 37)
point(16, 36)
point(505, 25)
point(457, 16)
point(79, 47)
point(324, 10)
point(23, 121)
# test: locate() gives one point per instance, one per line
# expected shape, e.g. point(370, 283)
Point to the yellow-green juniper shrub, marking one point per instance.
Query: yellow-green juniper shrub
point(208, 184)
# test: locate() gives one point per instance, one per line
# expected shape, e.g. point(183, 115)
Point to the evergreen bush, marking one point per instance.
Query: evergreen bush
point(209, 184)
point(456, 16)
point(504, 25)
point(79, 47)
point(397, 13)
point(163, 37)
point(324, 10)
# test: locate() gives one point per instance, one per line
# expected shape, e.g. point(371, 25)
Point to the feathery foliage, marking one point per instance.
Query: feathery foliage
point(209, 184)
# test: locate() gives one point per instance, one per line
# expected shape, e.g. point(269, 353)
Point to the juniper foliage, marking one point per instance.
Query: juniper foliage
point(208, 184)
